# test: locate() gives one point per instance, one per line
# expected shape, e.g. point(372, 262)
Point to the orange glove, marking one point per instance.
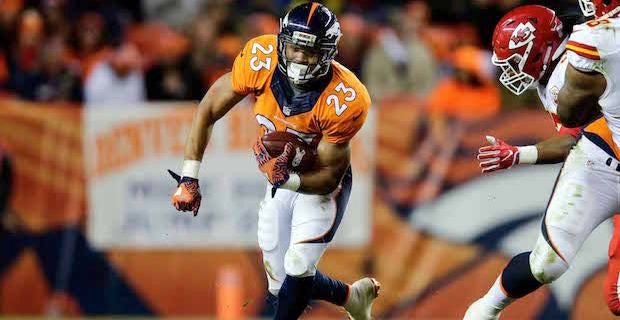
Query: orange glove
point(187, 196)
point(276, 169)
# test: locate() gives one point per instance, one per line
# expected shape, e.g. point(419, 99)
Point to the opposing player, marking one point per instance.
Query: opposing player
point(529, 46)
point(592, 79)
point(299, 88)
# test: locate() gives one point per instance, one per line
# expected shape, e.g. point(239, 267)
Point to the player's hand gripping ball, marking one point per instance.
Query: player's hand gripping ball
point(278, 153)
point(304, 157)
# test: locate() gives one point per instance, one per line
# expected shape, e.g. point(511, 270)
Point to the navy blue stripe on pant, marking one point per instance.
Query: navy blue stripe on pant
point(342, 199)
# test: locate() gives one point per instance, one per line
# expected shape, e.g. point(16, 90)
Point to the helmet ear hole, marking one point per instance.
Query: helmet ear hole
point(514, 63)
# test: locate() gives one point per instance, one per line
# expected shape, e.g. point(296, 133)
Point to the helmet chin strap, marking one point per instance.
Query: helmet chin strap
point(546, 72)
point(560, 50)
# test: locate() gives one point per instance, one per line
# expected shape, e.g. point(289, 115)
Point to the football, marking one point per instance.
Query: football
point(305, 156)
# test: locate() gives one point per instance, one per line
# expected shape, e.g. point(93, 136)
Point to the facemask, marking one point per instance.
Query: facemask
point(298, 73)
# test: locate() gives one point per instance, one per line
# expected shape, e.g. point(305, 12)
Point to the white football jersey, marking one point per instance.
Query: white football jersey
point(593, 46)
point(548, 93)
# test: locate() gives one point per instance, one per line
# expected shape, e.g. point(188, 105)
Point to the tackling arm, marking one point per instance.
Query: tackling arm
point(555, 149)
point(578, 98)
point(500, 155)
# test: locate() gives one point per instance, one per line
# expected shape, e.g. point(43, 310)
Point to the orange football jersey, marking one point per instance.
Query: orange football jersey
point(334, 112)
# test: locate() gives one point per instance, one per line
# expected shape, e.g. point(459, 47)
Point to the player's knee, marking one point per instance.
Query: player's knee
point(296, 264)
point(517, 279)
point(546, 265)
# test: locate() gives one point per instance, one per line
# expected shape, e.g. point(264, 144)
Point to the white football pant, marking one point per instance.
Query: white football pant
point(586, 193)
point(294, 230)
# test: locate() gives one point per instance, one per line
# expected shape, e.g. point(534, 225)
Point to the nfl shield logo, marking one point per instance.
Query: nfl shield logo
point(286, 110)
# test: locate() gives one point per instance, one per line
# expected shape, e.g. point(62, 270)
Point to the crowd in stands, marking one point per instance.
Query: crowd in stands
point(102, 52)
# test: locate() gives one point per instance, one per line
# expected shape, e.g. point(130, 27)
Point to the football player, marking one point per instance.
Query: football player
point(591, 84)
point(299, 88)
point(530, 47)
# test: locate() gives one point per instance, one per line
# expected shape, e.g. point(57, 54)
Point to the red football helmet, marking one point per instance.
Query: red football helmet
point(525, 41)
point(600, 8)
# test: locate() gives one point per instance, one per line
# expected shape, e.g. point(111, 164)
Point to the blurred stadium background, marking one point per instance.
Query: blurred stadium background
point(95, 101)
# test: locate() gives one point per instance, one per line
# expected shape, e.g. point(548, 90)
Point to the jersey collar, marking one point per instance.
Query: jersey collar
point(292, 104)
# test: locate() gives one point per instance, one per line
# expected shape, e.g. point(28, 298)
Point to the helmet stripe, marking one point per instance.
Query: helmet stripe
point(314, 6)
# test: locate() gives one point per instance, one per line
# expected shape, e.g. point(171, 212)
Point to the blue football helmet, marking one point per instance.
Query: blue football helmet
point(310, 25)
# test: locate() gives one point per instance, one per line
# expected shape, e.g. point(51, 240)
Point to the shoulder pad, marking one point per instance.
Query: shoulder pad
point(347, 105)
point(596, 38)
point(254, 64)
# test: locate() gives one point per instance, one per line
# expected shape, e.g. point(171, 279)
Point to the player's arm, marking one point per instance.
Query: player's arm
point(333, 156)
point(578, 98)
point(555, 149)
point(218, 100)
point(334, 151)
point(499, 155)
point(334, 160)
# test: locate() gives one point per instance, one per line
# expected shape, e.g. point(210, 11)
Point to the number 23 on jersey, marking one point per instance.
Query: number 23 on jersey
point(349, 96)
point(255, 63)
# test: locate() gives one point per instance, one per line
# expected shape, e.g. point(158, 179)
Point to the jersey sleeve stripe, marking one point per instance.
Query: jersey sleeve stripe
point(581, 45)
point(583, 50)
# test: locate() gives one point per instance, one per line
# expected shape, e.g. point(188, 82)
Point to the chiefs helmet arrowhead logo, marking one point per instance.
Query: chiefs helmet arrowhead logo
point(522, 35)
